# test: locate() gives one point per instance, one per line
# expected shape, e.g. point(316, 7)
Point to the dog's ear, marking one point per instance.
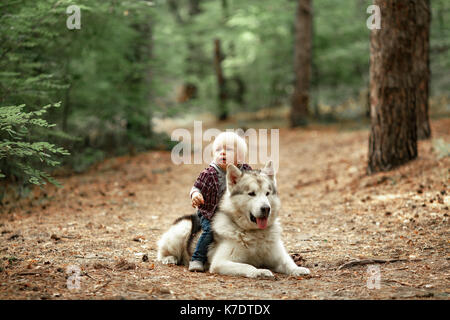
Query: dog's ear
point(269, 170)
point(233, 175)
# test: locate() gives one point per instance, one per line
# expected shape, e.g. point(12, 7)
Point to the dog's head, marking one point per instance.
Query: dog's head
point(251, 198)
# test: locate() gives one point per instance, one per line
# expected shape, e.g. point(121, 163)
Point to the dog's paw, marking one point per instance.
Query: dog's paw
point(262, 273)
point(300, 271)
point(169, 260)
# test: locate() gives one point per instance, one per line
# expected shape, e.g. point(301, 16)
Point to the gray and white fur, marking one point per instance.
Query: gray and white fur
point(246, 230)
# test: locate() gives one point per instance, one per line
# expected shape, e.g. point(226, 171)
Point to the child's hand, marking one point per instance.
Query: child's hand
point(197, 199)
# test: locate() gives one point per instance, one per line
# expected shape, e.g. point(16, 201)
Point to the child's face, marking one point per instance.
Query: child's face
point(225, 154)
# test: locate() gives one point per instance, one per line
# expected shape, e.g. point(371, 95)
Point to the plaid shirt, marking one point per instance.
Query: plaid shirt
point(208, 184)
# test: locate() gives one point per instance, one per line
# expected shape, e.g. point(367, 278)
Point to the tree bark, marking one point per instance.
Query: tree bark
point(67, 103)
point(225, 8)
point(393, 137)
point(66, 110)
point(173, 8)
point(194, 7)
point(302, 64)
point(422, 66)
point(221, 83)
point(193, 60)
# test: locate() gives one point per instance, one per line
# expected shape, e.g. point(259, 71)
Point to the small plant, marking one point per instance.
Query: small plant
point(11, 259)
point(20, 155)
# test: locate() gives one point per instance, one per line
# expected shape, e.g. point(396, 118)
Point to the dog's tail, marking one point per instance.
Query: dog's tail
point(174, 245)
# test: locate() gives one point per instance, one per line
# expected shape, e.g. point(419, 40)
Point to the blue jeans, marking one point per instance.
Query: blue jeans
point(201, 250)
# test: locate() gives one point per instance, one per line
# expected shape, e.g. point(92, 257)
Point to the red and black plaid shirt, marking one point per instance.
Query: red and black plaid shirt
point(208, 184)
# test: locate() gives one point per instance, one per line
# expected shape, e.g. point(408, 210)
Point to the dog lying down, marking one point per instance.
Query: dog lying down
point(246, 230)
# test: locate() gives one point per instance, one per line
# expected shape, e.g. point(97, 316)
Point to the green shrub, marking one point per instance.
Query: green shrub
point(22, 157)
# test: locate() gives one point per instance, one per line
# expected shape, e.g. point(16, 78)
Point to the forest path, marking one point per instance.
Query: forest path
point(107, 222)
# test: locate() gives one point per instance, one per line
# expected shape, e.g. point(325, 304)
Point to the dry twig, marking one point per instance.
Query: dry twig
point(103, 285)
point(370, 261)
point(402, 283)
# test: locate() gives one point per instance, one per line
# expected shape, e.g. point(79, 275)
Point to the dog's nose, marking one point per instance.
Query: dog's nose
point(265, 211)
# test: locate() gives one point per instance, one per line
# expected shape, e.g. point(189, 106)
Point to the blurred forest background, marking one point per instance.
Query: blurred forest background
point(70, 98)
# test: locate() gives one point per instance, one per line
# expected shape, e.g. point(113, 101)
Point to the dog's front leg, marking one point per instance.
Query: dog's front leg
point(239, 269)
point(283, 263)
point(222, 263)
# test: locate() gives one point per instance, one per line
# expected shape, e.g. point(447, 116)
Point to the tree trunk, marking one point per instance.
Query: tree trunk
point(302, 63)
point(221, 83)
point(66, 110)
point(194, 7)
point(422, 65)
point(393, 137)
point(315, 73)
point(193, 60)
point(66, 106)
point(139, 117)
point(173, 8)
point(224, 8)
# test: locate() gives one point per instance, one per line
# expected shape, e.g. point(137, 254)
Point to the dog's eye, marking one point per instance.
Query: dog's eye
point(252, 194)
point(267, 194)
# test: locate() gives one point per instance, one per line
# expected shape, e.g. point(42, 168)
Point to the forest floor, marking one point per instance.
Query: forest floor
point(105, 223)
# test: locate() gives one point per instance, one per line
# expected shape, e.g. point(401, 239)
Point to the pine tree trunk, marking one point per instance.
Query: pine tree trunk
point(225, 8)
point(393, 137)
point(194, 7)
point(422, 65)
point(221, 83)
point(66, 110)
point(67, 103)
point(302, 63)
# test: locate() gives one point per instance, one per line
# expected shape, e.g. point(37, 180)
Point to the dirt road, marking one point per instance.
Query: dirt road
point(105, 223)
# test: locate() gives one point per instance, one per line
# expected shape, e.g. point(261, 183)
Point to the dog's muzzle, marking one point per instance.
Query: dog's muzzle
point(265, 211)
point(262, 218)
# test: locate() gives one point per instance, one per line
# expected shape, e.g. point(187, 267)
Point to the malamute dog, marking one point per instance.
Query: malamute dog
point(246, 230)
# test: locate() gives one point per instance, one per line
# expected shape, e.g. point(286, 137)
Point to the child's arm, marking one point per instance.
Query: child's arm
point(193, 190)
point(196, 194)
point(196, 197)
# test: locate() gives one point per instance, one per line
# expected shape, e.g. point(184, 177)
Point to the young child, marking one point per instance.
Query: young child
point(209, 187)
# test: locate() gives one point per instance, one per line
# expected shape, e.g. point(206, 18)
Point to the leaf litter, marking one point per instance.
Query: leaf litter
point(336, 221)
